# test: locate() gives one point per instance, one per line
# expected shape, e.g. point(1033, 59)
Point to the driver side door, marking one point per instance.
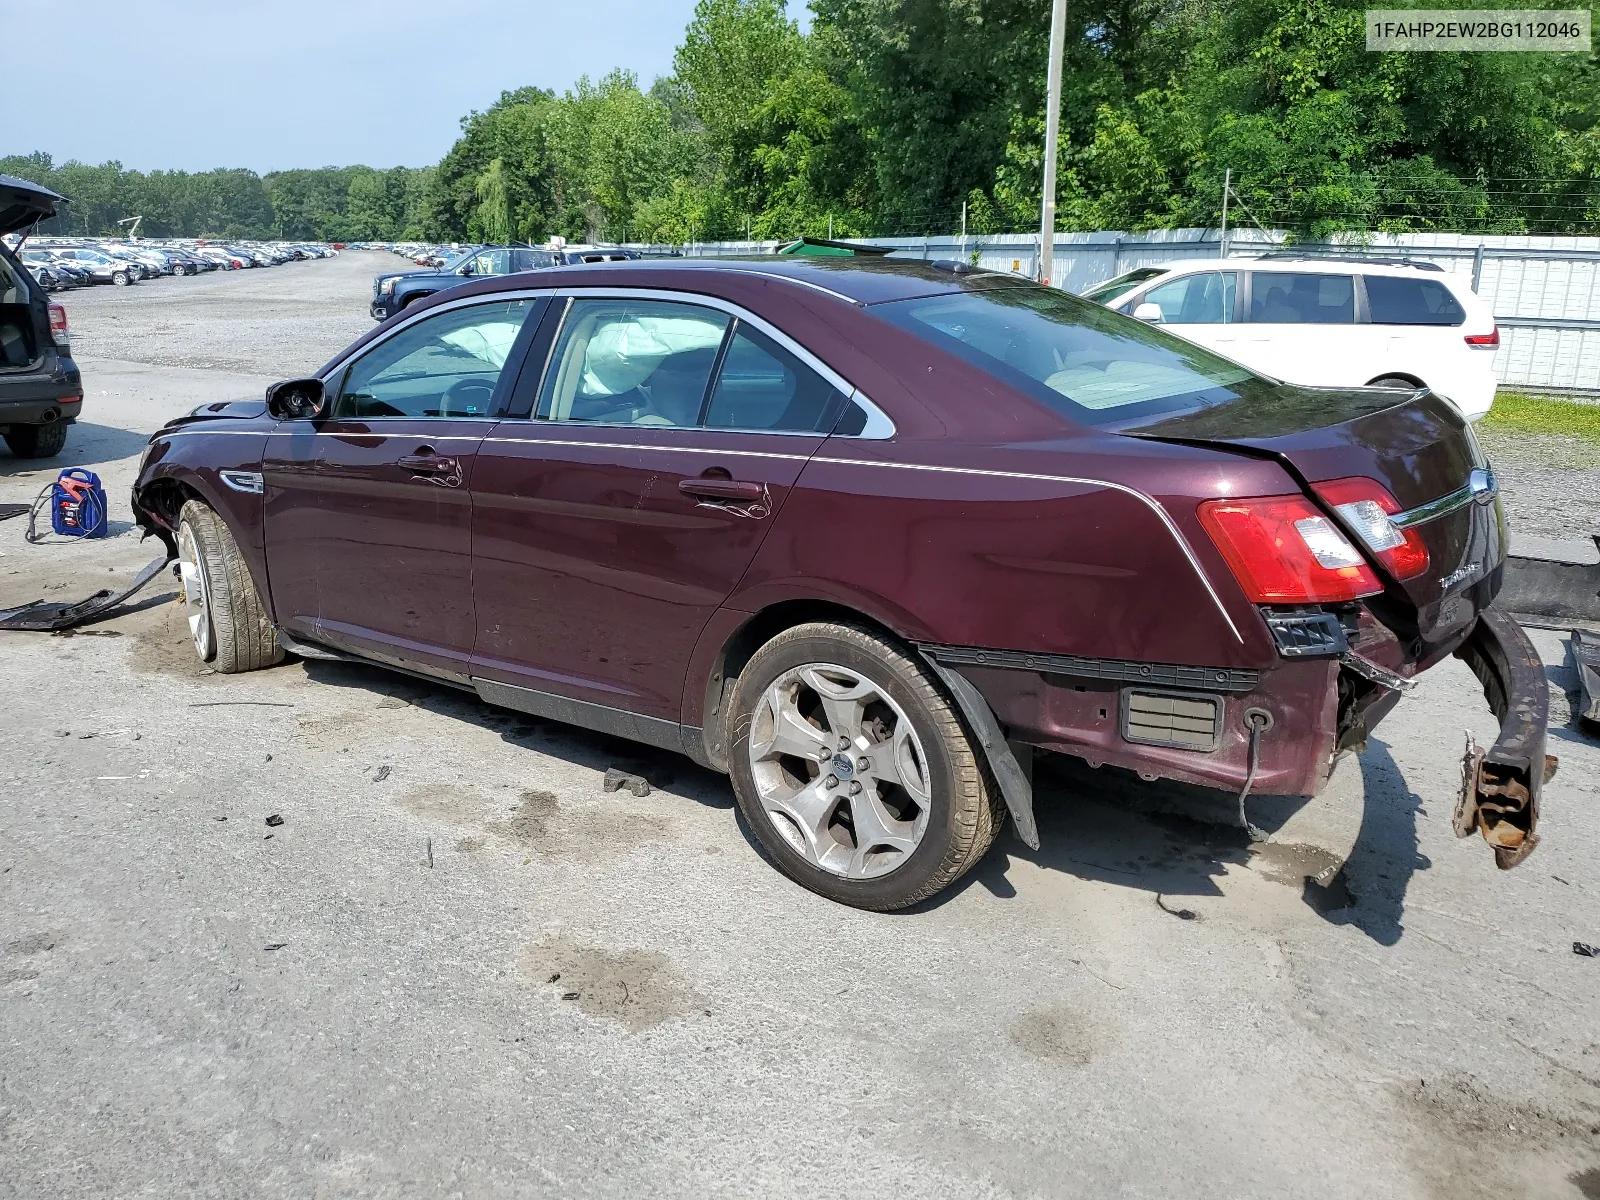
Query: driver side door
point(368, 512)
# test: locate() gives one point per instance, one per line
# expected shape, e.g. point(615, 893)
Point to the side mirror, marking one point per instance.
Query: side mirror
point(1148, 311)
point(297, 400)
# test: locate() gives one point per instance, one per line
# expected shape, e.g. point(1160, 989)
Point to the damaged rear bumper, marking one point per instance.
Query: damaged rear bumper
point(1500, 785)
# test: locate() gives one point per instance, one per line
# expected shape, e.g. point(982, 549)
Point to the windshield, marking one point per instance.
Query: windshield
point(1112, 289)
point(1086, 362)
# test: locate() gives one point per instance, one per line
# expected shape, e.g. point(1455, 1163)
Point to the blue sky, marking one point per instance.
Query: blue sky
point(298, 83)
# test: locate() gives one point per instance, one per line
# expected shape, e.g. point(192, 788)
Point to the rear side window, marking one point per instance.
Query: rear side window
point(632, 362)
point(1399, 301)
point(761, 386)
point(1297, 298)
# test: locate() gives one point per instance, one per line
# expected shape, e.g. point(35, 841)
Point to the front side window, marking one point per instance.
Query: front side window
point(632, 362)
point(1084, 361)
point(1205, 298)
point(1299, 298)
point(1397, 301)
point(761, 386)
point(445, 365)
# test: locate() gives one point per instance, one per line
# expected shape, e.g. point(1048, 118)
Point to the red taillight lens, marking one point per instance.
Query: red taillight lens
point(60, 332)
point(1487, 340)
point(1366, 506)
point(1282, 550)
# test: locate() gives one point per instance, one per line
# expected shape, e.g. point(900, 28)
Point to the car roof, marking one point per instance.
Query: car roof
point(1316, 264)
point(858, 280)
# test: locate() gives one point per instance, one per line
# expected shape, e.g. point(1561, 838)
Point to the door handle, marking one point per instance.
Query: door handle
point(722, 489)
point(428, 463)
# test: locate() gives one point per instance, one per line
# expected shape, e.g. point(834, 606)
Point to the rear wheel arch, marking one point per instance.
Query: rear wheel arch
point(739, 647)
point(1389, 378)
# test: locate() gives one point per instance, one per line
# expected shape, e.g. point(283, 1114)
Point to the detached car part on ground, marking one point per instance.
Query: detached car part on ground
point(41, 391)
point(865, 535)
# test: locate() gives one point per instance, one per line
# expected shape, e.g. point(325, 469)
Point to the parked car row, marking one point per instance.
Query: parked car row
point(60, 263)
point(394, 290)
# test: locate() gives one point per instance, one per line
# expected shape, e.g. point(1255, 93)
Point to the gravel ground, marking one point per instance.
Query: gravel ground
point(458, 968)
point(1551, 484)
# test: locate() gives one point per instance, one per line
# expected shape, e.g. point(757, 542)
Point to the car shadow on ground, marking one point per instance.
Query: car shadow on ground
point(1172, 840)
point(87, 444)
point(600, 752)
point(1175, 841)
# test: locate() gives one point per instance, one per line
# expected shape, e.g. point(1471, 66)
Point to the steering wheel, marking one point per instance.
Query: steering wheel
point(467, 398)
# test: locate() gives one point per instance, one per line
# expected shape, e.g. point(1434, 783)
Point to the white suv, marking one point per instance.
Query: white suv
point(1325, 322)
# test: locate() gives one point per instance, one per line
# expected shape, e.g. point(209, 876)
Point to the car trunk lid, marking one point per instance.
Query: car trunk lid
point(1417, 445)
point(22, 203)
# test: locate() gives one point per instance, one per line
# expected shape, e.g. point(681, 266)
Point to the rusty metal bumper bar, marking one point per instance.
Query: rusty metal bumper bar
point(1500, 785)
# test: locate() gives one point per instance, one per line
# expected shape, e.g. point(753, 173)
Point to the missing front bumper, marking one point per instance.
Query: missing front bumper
point(1500, 785)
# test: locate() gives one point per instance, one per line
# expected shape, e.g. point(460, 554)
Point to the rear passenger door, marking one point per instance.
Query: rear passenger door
point(615, 516)
point(1302, 328)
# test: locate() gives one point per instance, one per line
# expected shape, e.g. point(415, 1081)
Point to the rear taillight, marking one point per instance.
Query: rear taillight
point(1487, 341)
point(60, 332)
point(1283, 550)
point(1366, 507)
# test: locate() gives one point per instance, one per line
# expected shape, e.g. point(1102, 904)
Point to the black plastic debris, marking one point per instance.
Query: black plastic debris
point(382, 773)
point(1586, 950)
point(1183, 914)
point(48, 616)
point(275, 945)
point(274, 820)
point(617, 778)
point(1586, 652)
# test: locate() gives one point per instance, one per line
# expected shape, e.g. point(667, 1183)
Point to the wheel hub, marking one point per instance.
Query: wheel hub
point(840, 771)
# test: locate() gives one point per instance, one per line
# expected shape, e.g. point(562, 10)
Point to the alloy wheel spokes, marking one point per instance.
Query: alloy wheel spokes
point(840, 770)
point(196, 594)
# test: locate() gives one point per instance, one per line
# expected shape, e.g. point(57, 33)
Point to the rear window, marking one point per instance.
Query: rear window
point(1398, 301)
point(1298, 298)
point(1086, 362)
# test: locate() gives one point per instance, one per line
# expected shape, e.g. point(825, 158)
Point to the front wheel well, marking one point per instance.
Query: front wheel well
point(157, 505)
point(750, 637)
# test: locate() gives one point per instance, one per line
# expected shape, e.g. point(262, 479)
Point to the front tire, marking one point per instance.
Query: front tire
point(227, 618)
point(120, 278)
point(854, 770)
point(37, 441)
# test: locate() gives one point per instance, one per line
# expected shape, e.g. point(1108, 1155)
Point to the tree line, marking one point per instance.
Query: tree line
point(921, 116)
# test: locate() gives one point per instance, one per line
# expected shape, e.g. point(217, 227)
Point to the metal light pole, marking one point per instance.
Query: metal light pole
point(1052, 135)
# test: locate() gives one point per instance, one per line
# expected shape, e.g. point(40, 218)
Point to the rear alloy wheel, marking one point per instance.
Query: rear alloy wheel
point(37, 441)
point(227, 620)
point(854, 771)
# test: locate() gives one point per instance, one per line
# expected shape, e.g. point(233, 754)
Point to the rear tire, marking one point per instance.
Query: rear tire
point(885, 801)
point(227, 618)
point(1394, 381)
point(37, 441)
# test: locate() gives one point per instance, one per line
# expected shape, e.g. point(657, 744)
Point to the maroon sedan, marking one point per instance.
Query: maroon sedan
point(865, 535)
